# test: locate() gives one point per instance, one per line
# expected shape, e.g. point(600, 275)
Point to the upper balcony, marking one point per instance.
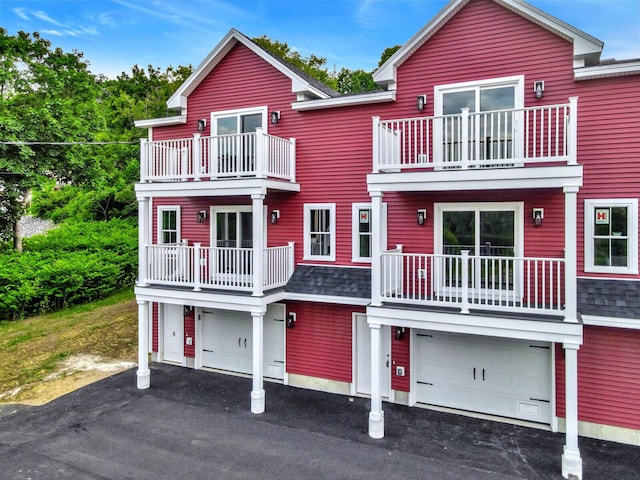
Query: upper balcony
point(480, 150)
point(256, 158)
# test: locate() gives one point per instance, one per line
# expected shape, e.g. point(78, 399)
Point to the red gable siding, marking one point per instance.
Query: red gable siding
point(320, 344)
point(608, 366)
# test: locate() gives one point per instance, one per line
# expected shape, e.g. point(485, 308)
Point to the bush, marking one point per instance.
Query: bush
point(73, 264)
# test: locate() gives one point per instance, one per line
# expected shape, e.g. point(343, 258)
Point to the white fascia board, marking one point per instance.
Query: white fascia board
point(161, 122)
point(613, 322)
point(307, 297)
point(475, 324)
point(346, 101)
point(213, 188)
point(608, 70)
point(477, 179)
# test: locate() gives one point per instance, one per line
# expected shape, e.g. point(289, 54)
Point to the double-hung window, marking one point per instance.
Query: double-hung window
point(320, 231)
point(168, 224)
point(362, 231)
point(611, 236)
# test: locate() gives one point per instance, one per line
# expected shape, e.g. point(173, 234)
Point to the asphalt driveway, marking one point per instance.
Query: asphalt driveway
point(198, 425)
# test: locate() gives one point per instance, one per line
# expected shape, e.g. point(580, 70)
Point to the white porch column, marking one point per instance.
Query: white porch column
point(257, 393)
point(376, 247)
point(570, 253)
point(376, 415)
point(144, 235)
point(571, 461)
point(257, 200)
point(143, 374)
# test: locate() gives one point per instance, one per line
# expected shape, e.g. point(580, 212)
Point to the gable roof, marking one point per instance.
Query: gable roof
point(586, 49)
point(302, 84)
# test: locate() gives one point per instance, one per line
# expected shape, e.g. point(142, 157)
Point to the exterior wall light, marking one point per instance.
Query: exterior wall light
point(201, 124)
point(422, 102)
point(398, 333)
point(275, 117)
point(538, 215)
point(202, 216)
point(291, 320)
point(275, 215)
point(538, 88)
point(422, 216)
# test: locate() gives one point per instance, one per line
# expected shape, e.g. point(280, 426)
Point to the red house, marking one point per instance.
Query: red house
point(465, 238)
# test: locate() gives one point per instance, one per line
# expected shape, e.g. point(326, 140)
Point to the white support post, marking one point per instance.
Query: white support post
point(144, 160)
point(570, 254)
point(257, 200)
point(144, 235)
point(291, 260)
point(464, 279)
point(376, 415)
point(257, 393)
point(573, 131)
point(196, 160)
point(376, 248)
point(376, 144)
point(261, 154)
point(196, 266)
point(464, 139)
point(143, 375)
point(292, 160)
point(571, 461)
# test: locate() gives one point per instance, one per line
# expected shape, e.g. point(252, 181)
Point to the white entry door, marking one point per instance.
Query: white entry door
point(510, 378)
point(363, 356)
point(173, 326)
point(227, 341)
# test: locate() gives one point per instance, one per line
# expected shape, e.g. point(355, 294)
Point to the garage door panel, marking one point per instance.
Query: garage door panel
point(497, 376)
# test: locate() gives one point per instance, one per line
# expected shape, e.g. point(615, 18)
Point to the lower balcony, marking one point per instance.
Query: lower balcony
point(465, 282)
point(218, 268)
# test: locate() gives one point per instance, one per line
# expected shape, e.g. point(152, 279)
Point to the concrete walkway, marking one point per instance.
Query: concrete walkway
point(197, 425)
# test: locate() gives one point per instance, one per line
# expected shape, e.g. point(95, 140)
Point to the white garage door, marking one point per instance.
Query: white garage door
point(510, 378)
point(227, 341)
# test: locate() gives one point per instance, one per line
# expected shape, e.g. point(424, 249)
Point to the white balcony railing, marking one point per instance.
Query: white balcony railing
point(254, 154)
point(217, 267)
point(502, 138)
point(514, 284)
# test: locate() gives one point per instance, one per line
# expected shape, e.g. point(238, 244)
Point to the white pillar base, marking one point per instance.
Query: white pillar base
point(571, 464)
point(143, 379)
point(376, 424)
point(257, 401)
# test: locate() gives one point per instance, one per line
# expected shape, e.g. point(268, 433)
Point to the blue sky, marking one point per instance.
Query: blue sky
point(116, 34)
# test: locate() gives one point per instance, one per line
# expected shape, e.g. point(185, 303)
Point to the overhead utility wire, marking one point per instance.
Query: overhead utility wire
point(68, 143)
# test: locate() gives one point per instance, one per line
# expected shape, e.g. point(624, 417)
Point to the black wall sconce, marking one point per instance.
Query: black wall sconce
point(201, 124)
point(398, 333)
point(422, 216)
point(538, 215)
point(291, 320)
point(275, 117)
point(538, 88)
point(202, 216)
point(275, 215)
point(421, 102)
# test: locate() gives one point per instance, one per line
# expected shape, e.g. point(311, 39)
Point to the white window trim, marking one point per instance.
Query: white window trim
point(232, 209)
point(517, 80)
point(355, 231)
point(168, 208)
point(263, 110)
point(632, 227)
point(332, 231)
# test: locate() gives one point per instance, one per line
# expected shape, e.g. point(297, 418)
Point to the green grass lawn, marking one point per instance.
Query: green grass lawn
point(31, 349)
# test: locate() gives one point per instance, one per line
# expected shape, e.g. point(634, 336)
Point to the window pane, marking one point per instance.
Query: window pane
point(246, 229)
point(227, 125)
point(619, 252)
point(453, 102)
point(501, 98)
point(601, 252)
point(365, 246)
point(602, 220)
point(364, 222)
point(497, 233)
point(619, 221)
point(458, 232)
point(319, 220)
point(249, 123)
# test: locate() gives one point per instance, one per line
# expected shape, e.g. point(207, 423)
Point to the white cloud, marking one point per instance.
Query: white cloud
point(46, 18)
point(20, 12)
point(56, 33)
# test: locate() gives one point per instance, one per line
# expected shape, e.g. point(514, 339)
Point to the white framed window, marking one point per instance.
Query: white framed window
point(320, 231)
point(611, 236)
point(495, 110)
point(362, 231)
point(169, 224)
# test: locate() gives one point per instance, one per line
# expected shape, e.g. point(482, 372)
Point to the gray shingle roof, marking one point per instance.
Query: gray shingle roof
point(331, 281)
point(609, 298)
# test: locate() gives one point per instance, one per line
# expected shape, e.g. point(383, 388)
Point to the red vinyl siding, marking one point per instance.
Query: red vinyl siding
point(320, 344)
point(400, 356)
point(608, 388)
point(190, 331)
